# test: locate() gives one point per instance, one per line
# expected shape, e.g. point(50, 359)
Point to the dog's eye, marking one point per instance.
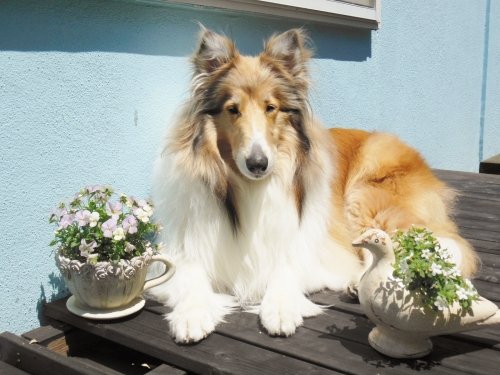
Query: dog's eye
point(270, 108)
point(233, 110)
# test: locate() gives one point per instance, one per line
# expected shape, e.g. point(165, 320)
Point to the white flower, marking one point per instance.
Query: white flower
point(470, 290)
point(129, 247)
point(148, 209)
point(396, 281)
point(86, 249)
point(118, 234)
point(462, 294)
point(444, 253)
point(142, 215)
point(128, 201)
point(468, 283)
point(436, 269)
point(440, 303)
point(452, 272)
point(93, 219)
point(426, 254)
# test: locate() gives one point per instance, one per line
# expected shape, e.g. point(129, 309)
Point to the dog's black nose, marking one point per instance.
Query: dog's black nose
point(257, 161)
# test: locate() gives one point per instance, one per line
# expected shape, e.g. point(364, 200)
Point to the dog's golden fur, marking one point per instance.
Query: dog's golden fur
point(260, 202)
point(385, 184)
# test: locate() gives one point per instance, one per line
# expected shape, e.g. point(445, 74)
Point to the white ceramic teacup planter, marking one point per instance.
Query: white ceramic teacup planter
point(403, 324)
point(108, 290)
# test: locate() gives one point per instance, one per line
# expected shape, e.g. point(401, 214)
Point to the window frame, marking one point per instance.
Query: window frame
point(338, 12)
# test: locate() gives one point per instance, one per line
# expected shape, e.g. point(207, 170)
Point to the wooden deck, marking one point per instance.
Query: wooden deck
point(333, 343)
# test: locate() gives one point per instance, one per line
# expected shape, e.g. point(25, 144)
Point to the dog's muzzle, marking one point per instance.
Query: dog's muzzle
point(257, 162)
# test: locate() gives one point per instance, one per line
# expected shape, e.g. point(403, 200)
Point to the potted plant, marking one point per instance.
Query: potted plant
point(103, 250)
point(413, 291)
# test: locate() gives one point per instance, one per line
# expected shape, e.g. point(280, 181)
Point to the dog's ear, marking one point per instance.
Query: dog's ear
point(213, 51)
point(291, 49)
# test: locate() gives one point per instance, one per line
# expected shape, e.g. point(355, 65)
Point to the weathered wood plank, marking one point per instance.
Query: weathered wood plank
point(482, 235)
point(339, 340)
point(484, 246)
point(488, 274)
point(340, 354)
point(488, 290)
point(346, 323)
point(166, 370)
point(7, 369)
point(36, 359)
point(148, 333)
point(486, 195)
point(44, 334)
point(489, 209)
point(467, 221)
point(467, 178)
point(490, 260)
point(469, 213)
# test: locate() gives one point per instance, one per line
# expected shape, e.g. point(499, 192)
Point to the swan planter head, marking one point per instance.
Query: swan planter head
point(413, 297)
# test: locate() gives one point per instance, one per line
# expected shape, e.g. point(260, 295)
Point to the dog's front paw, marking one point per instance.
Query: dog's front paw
point(281, 317)
point(192, 321)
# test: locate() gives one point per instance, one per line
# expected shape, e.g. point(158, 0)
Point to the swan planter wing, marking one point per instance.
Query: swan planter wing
point(404, 323)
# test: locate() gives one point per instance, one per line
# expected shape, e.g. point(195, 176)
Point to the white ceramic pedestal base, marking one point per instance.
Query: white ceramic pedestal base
point(97, 314)
point(399, 344)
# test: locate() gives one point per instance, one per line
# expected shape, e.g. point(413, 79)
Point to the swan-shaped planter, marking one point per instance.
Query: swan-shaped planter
point(403, 324)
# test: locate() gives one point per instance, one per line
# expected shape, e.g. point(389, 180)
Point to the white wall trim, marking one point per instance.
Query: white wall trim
point(324, 11)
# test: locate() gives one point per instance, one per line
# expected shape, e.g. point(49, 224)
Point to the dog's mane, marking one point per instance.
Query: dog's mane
point(195, 139)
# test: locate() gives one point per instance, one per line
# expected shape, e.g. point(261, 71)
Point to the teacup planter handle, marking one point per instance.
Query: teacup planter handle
point(165, 276)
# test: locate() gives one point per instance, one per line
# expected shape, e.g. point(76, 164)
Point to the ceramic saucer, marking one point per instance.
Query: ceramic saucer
point(98, 314)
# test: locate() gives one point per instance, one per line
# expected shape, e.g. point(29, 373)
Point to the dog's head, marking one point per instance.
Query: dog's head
point(257, 105)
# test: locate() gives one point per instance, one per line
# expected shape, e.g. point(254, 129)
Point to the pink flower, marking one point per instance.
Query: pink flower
point(130, 224)
point(113, 208)
point(83, 217)
point(65, 221)
point(108, 227)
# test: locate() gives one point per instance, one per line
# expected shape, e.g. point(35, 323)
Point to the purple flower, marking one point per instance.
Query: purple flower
point(108, 227)
point(130, 224)
point(65, 221)
point(83, 217)
point(113, 208)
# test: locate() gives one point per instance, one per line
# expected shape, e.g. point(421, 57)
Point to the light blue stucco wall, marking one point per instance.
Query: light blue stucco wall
point(87, 88)
point(491, 144)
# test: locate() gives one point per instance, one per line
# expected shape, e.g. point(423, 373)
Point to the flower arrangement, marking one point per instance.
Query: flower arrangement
point(423, 266)
point(94, 227)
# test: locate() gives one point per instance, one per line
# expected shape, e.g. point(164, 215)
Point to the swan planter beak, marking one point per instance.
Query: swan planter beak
point(404, 324)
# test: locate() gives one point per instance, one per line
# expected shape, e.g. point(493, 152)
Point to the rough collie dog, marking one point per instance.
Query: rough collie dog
point(260, 203)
